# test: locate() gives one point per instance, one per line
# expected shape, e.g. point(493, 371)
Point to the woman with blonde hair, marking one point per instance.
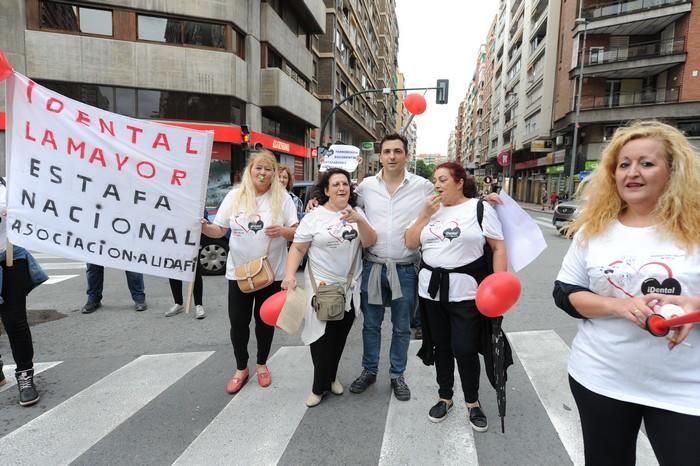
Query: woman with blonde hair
point(261, 218)
point(637, 236)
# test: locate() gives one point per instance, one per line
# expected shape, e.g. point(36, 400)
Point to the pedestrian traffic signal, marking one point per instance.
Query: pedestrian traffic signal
point(245, 135)
point(442, 88)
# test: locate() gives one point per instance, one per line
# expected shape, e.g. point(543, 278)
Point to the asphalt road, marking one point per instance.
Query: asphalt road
point(121, 387)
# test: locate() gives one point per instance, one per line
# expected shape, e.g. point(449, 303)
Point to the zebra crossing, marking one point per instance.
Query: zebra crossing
point(52, 264)
point(273, 426)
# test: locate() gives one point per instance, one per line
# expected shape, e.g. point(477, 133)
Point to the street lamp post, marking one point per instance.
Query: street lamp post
point(574, 144)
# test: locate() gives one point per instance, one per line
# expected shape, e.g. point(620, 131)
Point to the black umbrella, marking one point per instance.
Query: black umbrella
point(497, 357)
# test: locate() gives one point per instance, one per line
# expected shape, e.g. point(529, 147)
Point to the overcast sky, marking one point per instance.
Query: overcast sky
point(441, 39)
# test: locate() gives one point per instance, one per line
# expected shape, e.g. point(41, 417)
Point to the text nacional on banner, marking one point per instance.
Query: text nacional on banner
point(95, 186)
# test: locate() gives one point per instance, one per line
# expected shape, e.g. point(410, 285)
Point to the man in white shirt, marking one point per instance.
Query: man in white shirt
point(391, 201)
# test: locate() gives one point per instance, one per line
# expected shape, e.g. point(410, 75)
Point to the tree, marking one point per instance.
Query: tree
point(424, 169)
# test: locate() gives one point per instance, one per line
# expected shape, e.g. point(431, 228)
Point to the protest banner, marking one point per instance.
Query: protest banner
point(340, 156)
point(99, 187)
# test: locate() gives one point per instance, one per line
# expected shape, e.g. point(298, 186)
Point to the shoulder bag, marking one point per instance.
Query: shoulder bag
point(329, 300)
point(255, 274)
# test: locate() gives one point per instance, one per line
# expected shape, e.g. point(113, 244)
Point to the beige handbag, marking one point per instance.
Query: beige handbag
point(328, 301)
point(254, 275)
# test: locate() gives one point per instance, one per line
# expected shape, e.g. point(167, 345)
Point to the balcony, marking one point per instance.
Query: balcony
point(636, 17)
point(631, 99)
point(645, 59)
point(292, 47)
point(311, 15)
point(279, 91)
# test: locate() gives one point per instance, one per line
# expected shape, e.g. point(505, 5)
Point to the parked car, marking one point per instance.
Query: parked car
point(302, 189)
point(565, 212)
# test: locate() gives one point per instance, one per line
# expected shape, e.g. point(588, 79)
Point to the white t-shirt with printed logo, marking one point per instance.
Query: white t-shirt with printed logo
point(612, 356)
point(452, 239)
point(3, 217)
point(248, 240)
point(334, 243)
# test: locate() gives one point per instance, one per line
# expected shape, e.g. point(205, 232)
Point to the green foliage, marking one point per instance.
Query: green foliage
point(424, 169)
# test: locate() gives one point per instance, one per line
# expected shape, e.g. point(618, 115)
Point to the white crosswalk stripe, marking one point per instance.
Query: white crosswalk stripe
point(51, 263)
point(233, 434)
point(408, 429)
point(544, 355)
point(9, 371)
point(70, 429)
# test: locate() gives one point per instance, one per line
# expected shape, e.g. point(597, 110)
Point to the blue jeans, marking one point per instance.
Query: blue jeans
point(401, 311)
point(95, 280)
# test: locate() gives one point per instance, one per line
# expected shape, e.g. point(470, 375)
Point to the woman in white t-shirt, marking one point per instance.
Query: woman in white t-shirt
point(452, 245)
point(262, 218)
point(333, 235)
point(638, 234)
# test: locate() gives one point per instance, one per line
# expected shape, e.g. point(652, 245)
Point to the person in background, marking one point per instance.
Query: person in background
point(197, 291)
point(333, 234)
point(95, 275)
point(287, 181)
point(262, 218)
point(638, 233)
point(553, 199)
point(17, 281)
point(543, 197)
point(453, 264)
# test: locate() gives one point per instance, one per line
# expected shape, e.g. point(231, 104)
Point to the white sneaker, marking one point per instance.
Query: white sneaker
point(175, 310)
point(337, 388)
point(199, 312)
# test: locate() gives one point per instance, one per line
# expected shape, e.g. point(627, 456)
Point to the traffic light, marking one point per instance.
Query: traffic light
point(442, 88)
point(245, 137)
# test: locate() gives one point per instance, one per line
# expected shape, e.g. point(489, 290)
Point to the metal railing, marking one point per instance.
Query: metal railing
point(622, 7)
point(656, 48)
point(630, 99)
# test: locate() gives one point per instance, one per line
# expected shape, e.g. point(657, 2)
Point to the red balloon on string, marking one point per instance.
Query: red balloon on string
point(5, 67)
point(272, 306)
point(415, 103)
point(498, 293)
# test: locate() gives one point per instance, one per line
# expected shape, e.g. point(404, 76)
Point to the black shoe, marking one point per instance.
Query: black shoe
point(363, 381)
point(477, 419)
point(141, 306)
point(439, 412)
point(419, 333)
point(27, 391)
point(89, 307)
point(401, 390)
point(2, 375)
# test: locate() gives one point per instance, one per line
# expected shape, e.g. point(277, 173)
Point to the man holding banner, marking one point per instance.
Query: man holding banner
point(95, 280)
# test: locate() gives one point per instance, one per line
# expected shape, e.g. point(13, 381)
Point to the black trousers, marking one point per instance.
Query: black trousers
point(176, 288)
point(241, 307)
point(455, 330)
point(13, 311)
point(610, 429)
point(327, 350)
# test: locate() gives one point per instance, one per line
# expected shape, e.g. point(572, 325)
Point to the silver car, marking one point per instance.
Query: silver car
point(565, 212)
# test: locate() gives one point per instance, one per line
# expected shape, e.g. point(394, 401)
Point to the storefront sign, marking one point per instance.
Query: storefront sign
point(554, 169)
point(368, 146)
point(559, 156)
point(541, 145)
point(591, 165)
point(503, 158)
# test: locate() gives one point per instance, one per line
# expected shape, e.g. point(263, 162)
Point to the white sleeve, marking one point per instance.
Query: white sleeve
point(491, 224)
point(358, 190)
point(428, 187)
point(305, 230)
point(573, 268)
point(289, 212)
point(223, 215)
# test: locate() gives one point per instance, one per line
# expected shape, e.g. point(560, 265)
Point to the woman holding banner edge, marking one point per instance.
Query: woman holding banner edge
point(262, 218)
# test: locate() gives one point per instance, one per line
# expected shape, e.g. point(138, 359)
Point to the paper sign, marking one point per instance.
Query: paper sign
point(340, 156)
point(523, 237)
point(94, 186)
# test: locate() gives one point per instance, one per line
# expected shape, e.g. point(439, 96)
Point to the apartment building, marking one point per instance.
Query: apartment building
point(358, 52)
point(206, 64)
point(640, 59)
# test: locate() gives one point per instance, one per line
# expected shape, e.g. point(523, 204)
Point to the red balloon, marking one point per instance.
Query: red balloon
point(498, 293)
point(415, 103)
point(5, 67)
point(272, 306)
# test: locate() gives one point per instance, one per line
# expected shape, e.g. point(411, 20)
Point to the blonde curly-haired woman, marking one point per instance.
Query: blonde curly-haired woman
point(638, 234)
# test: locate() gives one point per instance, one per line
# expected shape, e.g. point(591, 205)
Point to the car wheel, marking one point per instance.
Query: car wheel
point(212, 256)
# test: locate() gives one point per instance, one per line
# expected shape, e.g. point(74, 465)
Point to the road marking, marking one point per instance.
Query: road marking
point(231, 437)
point(65, 432)
point(53, 279)
point(9, 371)
point(63, 265)
point(544, 356)
point(544, 223)
point(410, 437)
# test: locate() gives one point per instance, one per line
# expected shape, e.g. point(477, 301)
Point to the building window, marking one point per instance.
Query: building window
point(66, 17)
point(176, 31)
point(289, 130)
point(154, 104)
point(274, 60)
